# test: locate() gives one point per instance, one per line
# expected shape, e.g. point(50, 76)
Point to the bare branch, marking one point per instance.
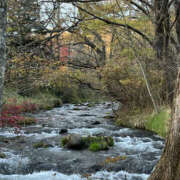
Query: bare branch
point(140, 8)
point(117, 24)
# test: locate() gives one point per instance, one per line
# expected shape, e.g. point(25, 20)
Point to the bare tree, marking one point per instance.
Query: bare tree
point(3, 16)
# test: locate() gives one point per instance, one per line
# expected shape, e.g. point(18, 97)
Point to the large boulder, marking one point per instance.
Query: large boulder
point(94, 143)
point(74, 141)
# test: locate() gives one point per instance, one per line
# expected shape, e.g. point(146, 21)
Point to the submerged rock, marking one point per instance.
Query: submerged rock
point(41, 144)
point(96, 123)
point(2, 155)
point(62, 131)
point(4, 139)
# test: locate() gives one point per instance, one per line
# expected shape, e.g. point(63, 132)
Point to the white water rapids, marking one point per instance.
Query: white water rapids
point(142, 149)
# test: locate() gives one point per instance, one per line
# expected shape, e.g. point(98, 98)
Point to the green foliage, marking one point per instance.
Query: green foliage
point(41, 144)
point(46, 100)
point(99, 143)
point(98, 146)
point(64, 140)
point(159, 122)
point(110, 141)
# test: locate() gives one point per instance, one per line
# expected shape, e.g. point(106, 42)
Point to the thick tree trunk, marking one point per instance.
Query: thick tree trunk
point(3, 11)
point(166, 60)
point(168, 167)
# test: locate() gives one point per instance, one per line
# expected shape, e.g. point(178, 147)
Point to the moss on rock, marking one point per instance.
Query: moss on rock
point(98, 146)
point(93, 143)
point(2, 155)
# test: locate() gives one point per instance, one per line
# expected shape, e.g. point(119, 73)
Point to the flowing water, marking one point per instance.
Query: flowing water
point(133, 156)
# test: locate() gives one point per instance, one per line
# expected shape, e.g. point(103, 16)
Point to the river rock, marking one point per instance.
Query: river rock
point(75, 141)
point(62, 131)
point(4, 139)
point(96, 123)
point(2, 155)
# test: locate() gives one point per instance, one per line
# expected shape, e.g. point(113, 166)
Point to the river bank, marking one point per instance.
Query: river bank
point(145, 119)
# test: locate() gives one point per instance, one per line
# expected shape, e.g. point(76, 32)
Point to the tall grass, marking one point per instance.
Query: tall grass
point(159, 122)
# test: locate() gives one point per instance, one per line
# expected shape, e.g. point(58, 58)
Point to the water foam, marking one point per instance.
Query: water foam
point(52, 175)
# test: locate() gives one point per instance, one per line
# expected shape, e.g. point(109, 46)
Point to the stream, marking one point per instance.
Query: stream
point(133, 156)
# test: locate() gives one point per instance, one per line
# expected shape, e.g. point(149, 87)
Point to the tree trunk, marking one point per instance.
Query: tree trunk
point(165, 58)
point(177, 12)
point(168, 168)
point(3, 13)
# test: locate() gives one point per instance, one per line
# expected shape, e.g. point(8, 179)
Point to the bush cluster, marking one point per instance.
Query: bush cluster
point(11, 114)
point(124, 81)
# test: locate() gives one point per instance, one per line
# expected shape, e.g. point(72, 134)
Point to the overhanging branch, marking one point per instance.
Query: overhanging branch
point(117, 24)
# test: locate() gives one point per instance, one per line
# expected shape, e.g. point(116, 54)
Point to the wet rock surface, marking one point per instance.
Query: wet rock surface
point(140, 150)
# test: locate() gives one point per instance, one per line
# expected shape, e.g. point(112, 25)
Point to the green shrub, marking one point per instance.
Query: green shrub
point(95, 146)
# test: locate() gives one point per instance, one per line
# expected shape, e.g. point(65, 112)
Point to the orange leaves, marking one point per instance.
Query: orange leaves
point(115, 159)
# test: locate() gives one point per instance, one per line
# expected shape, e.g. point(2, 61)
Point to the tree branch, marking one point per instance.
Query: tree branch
point(140, 8)
point(146, 3)
point(117, 24)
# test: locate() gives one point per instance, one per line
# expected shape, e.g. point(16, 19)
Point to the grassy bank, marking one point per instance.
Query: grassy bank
point(42, 100)
point(146, 119)
point(45, 100)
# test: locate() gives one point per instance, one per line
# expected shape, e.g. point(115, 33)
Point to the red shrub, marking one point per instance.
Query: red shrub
point(6, 120)
point(29, 107)
point(11, 109)
point(11, 113)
